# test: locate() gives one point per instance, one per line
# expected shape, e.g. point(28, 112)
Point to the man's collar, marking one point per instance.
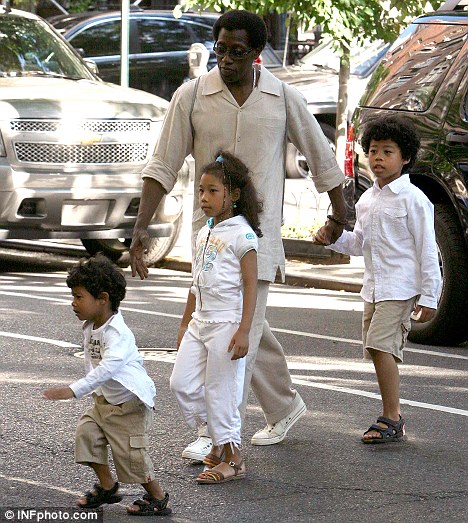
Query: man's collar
point(268, 83)
point(213, 82)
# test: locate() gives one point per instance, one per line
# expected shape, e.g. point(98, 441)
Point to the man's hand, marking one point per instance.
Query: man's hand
point(328, 234)
point(58, 393)
point(139, 247)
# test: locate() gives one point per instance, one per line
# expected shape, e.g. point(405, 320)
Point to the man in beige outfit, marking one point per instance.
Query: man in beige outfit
point(241, 107)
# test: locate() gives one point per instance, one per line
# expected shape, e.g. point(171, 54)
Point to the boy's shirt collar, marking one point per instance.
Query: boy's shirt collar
point(396, 186)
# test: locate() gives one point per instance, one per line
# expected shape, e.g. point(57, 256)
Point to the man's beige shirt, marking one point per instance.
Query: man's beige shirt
point(254, 132)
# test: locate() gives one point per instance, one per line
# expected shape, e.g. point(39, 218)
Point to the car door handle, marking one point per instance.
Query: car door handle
point(457, 137)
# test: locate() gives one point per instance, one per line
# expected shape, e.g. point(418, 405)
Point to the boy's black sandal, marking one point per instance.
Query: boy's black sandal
point(99, 496)
point(147, 505)
point(394, 431)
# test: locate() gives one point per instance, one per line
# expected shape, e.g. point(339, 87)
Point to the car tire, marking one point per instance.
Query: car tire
point(448, 327)
point(117, 250)
point(296, 165)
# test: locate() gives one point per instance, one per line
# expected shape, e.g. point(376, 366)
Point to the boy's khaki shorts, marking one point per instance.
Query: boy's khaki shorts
point(385, 326)
point(125, 429)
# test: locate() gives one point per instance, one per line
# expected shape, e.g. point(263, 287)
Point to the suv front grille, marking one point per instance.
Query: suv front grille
point(97, 153)
point(95, 126)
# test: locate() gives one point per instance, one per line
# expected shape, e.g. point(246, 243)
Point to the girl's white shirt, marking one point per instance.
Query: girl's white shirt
point(113, 364)
point(217, 277)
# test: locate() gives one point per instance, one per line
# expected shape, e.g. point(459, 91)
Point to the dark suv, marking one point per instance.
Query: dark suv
point(424, 76)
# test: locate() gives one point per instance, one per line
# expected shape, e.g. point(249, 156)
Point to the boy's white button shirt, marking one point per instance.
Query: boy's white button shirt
point(113, 364)
point(394, 232)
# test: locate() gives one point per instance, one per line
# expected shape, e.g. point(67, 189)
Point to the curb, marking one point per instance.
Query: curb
point(321, 283)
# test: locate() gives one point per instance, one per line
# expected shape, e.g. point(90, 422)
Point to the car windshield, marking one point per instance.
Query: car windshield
point(29, 47)
point(363, 58)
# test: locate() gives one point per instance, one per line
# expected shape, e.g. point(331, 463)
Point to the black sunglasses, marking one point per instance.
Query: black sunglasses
point(236, 54)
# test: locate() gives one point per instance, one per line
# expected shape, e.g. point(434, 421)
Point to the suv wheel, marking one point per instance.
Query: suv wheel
point(117, 250)
point(296, 165)
point(448, 327)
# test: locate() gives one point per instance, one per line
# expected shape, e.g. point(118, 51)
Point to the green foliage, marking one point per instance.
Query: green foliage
point(345, 20)
point(24, 5)
point(78, 6)
point(300, 229)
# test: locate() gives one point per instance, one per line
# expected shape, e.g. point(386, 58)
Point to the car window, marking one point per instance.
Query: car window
point(101, 39)
point(163, 35)
point(414, 68)
point(31, 48)
point(366, 58)
point(202, 34)
point(363, 57)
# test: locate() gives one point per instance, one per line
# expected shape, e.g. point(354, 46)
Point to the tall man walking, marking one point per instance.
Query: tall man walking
point(241, 107)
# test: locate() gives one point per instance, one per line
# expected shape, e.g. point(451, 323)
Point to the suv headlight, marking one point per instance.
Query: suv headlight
point(2, 146)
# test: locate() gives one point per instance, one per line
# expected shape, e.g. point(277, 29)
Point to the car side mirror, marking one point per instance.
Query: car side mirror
point(92, 66)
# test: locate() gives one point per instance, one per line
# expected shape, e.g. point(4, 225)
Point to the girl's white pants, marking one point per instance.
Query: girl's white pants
point(209, 385)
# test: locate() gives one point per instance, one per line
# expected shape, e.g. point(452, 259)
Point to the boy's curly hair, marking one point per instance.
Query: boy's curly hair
point(395, 128)
point(97, 275)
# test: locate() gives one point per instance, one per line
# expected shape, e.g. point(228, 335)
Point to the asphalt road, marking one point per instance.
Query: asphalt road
point(321, 472)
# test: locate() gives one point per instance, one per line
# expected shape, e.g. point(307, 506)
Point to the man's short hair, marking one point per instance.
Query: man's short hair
point(240, 19)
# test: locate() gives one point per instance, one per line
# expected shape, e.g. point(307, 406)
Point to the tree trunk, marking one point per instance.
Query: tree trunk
point(342, 106)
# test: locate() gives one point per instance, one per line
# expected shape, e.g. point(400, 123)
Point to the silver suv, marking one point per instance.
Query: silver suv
point(72, 147)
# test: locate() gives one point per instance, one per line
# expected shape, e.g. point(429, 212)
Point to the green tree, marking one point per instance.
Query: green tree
point(348, 22)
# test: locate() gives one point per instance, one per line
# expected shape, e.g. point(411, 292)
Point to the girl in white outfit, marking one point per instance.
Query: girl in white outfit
point(213, 339)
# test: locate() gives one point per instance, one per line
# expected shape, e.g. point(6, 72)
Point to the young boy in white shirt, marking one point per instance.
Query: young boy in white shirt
point(394, 232)
point(122, 390)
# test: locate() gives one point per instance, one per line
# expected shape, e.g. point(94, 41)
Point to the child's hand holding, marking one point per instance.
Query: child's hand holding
point(422, 314)
point(58, 393)
point(240, 344)
point(328, 233)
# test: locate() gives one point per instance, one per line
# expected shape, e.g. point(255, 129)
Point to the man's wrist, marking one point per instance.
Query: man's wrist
point(339, 221)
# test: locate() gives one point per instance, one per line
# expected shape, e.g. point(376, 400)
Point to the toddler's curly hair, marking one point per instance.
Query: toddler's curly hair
point(97, 275)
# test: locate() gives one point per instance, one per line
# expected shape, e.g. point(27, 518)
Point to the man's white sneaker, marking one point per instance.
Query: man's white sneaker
point(275, 433)
point(198, 449)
